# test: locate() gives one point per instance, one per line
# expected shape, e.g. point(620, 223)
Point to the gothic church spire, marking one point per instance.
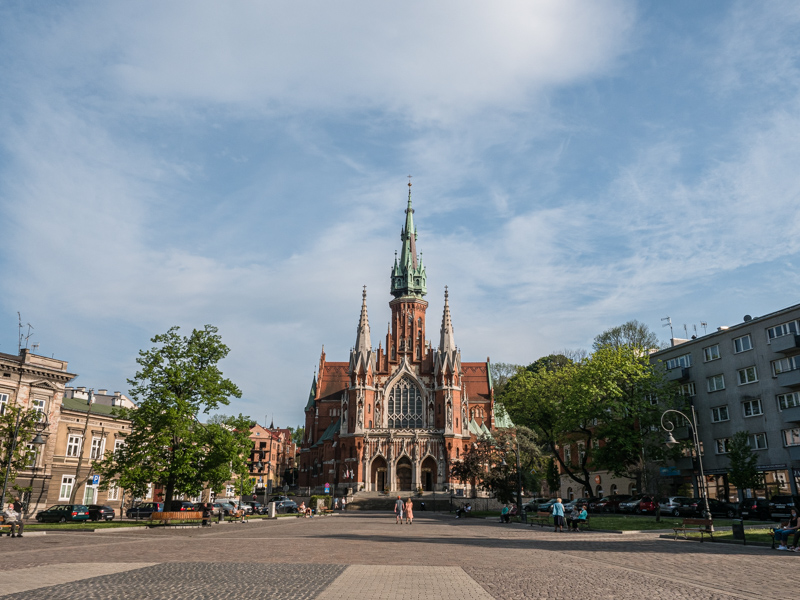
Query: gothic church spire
point(408, 274)
point(362, 358)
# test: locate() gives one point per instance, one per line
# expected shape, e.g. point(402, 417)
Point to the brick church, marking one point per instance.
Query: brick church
point(396, 418)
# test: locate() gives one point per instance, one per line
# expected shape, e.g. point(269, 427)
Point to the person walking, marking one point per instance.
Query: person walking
point(398, 511)
point(344, 504)
point(409, 512)
point(558, 516)
point(336, 504)
point(13, 518)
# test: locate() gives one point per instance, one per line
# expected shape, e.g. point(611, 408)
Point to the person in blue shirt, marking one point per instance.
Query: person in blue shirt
point(577, 517)
point(558, 515)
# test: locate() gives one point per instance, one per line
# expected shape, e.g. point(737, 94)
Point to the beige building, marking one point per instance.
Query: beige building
point(87, 431)
point(35, 382)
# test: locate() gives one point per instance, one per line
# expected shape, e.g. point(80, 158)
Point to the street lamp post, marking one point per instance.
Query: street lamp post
point(38, 440)
point(670, 442)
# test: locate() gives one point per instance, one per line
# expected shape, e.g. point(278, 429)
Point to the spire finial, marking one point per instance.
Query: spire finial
point(364, 295)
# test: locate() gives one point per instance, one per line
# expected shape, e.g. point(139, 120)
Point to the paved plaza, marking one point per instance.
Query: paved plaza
point(365, 555)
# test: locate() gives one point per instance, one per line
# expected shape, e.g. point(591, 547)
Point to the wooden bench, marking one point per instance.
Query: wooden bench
point(583, 524)
point(702, 526)
point(182, 517)
point(542, 518)
point(4, 525)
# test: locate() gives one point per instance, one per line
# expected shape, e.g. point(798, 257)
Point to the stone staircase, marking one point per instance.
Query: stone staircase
point(376, 501)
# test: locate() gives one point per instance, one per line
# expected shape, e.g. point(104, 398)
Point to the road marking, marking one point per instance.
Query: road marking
point(389, 582)
point(23, 580)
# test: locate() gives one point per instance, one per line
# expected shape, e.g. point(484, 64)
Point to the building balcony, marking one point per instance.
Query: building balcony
point(794, 454)
point(679, 374)
point(787, 344)
point(789, 379)
point(791, 415)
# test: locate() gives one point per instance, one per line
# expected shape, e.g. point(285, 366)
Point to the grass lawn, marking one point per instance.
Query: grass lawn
point(84, 525)
point(752, 535)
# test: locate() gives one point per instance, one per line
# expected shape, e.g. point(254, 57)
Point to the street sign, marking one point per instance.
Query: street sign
point(327, 488)
point(95, 479)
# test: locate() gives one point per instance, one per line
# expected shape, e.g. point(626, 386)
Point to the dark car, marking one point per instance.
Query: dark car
point(780, 507)
point(754, 508)
point(144, 510)
point(695, 507)
point(61, 513)
point(286, 506)
point(215, 510)
point(611, 503)
point(179, 505)
point(640, 505)
point(258, 508)
point(98, 512)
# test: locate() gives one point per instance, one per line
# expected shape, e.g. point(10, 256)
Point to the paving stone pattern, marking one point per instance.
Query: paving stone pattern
point(201, 581)
point(308, 558)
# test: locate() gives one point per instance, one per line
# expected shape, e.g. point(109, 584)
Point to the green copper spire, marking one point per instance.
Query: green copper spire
point(408, 274)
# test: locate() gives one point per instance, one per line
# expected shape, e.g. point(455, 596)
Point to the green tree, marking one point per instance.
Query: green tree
point(743, 471)
point(553, 478)
point(604, 403)
point(21, 456)
point(297, 434)
point(501, 373)
point(178, 381)
point(633, 334)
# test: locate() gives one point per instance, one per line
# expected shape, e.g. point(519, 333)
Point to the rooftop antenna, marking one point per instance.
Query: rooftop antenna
point(668, 324)
point(704, 325)
point(21, 335)
point(686, 331)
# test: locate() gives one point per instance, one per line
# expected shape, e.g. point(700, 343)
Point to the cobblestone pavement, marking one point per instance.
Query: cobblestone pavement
point(327, 557)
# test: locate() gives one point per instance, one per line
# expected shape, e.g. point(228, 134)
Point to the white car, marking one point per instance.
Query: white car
point(671, 504)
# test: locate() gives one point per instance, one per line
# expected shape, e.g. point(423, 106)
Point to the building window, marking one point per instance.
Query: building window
point(782, 329)
point(3, 404)
point(711, 353)
point(723, 445)
point(752, 408)
point(791, 437)
point(32, 455)
point(758, 441)
point(404, 407)
point(149, 492)
point(39, 405)
point(113, 491)
point(747, 375)
point(230, 492)
point(74, 445)
point(742, 344)
point(680, 361)
point(66, 487)
point(688, 389)
point(98, 445)
point(595, 444)
point(568, 454)
point(782, 365)
point(716, 383)
point(719, 414)
point(118, 444)
point(788, 400)
point(581, 451)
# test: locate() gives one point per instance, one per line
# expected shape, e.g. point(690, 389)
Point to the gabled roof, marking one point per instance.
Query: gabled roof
point(501, 418)
point(80, 405)
point(474, 428)
point(312, 394)
point(329, 432)
point(334, 378)
point(474, 376)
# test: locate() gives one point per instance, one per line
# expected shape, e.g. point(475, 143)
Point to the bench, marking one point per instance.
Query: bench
point(182, 517)
point(582, 523)
point(542, 518)
point(702, 526)
point(4, 525)
point(325, 512)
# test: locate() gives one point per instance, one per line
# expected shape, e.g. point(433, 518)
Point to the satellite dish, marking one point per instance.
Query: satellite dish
point(747, 318)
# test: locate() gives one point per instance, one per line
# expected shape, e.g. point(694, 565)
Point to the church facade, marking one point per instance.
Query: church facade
point(397, 417)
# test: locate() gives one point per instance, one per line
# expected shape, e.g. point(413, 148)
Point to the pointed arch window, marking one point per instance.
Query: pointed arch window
point(404, 407)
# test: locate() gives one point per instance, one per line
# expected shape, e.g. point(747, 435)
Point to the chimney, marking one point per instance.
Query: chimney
point(102, 392)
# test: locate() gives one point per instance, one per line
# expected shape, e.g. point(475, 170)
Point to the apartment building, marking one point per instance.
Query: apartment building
point(744, 377)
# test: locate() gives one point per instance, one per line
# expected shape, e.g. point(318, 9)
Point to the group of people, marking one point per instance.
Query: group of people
point(463, 511)
point(576, 517)
point(13, 516)
point(403, 509)
point(337, 503)
point(787, 529)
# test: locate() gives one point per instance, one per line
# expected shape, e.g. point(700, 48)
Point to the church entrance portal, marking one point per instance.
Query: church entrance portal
point(378, 474)
point(404, 475)
point(428, 474)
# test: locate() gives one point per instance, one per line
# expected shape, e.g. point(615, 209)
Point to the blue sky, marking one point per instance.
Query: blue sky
point(576, 165)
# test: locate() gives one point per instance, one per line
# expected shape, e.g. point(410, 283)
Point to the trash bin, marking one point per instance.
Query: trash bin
point(738, 530)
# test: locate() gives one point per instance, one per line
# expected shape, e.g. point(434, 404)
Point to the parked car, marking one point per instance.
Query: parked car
point(695, 507)
point(611, 503)
point(98, 512)
point(227, 508)
point(546, 506)
point(179, 505)
point(532, 505)
point(258, 508)
point(144, 510)
point(215, 509)
point(755, 508)
point(671, 505)
point(248, 510)
point(643, 504)
point(61, 513)
point(780, 507)
point(286, 506)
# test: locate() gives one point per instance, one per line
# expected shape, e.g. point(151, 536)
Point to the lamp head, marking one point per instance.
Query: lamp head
point(38, 440)
point(670, 441)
